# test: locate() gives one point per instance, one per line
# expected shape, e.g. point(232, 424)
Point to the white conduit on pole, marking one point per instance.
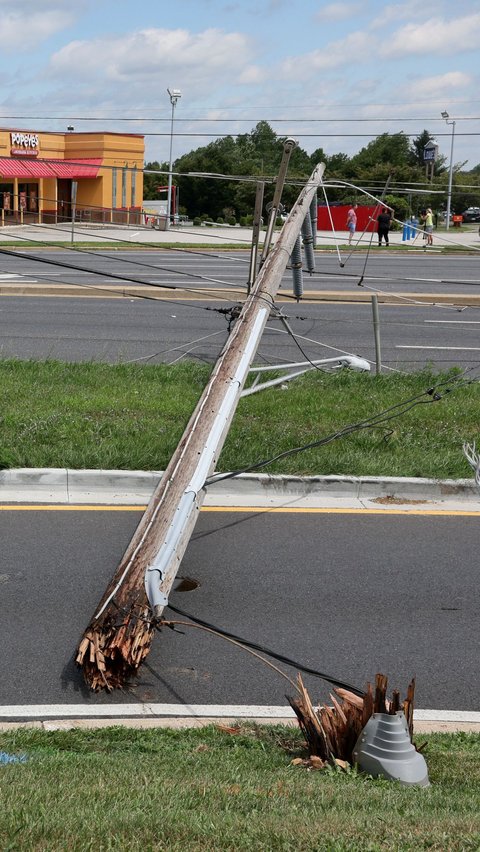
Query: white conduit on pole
point(266, 284)
point(157, 547)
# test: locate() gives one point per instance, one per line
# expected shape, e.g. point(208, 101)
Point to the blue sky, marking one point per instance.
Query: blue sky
point(333, 75)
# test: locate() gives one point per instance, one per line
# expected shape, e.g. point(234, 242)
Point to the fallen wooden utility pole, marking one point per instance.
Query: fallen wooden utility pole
point(120, 633)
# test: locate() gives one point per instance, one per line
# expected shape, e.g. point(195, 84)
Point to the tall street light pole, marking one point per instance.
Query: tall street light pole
point(449, 194)
point(174, 95)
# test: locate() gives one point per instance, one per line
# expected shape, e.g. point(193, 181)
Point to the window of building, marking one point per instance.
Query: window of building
point(114, 188)
point(124, 187)
point(133, 187)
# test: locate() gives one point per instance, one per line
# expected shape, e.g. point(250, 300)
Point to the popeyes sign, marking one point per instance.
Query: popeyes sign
point(24, 144)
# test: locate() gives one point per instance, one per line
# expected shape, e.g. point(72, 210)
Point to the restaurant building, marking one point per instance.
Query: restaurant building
point(53, 177)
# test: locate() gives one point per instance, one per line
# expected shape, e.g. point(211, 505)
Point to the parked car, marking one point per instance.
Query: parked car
point(471, 214)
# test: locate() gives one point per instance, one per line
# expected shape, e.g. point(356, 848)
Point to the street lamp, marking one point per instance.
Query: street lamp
point(174, 95)
point(449, 194)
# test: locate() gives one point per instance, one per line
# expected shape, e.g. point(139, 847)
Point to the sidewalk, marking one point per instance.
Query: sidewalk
point(222, 235)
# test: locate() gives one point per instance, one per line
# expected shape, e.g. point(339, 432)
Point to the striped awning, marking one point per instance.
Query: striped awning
point(27, 168)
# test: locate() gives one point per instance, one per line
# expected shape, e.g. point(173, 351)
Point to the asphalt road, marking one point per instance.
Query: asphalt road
point(197, 269)
point(348, 594)
point(190, 325)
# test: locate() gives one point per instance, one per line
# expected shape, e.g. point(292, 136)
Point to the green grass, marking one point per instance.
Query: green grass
point(113, 244)
point(131, 417)
point(204, 789)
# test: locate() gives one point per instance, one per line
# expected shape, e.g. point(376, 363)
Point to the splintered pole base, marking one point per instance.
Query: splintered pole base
point(113, 648)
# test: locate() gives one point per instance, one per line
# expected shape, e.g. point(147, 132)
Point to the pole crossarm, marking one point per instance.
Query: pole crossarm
point(120, 633)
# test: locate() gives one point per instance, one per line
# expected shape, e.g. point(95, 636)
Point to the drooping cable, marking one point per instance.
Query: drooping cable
point(123, 278)
point(435, 394)
point(268, 651)
point(138, 243)
point(337, 247)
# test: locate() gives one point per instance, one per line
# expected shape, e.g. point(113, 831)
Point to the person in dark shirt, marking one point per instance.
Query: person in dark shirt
point(384, 221)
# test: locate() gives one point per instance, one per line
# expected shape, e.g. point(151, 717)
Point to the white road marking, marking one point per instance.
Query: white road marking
point(238, 711)
point(461, 322)
point(443, 348)
point(7, 276)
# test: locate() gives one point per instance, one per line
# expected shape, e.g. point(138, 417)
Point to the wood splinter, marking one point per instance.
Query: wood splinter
point(331, 732)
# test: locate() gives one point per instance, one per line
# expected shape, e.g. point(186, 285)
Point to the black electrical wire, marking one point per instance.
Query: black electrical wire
point(376, 420)
point(296, 340)
point(185, 120)
point(123, 278)
point(268, 652)
point(139, 243)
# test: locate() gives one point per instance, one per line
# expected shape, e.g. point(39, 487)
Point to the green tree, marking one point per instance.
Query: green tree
point(152, 182)
point(258, 153)
point(389, 149)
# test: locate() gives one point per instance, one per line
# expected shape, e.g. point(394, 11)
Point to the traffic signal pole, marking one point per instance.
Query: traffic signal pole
point(120, 633)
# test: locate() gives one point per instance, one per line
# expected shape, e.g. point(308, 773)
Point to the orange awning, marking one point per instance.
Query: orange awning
point(27, 168)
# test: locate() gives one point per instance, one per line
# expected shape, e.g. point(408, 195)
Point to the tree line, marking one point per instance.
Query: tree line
point(390, 157)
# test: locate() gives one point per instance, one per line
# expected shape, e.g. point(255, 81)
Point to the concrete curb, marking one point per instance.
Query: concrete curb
point(122, 291)
point(66, 716)
point(66, 486)
point(193, 722)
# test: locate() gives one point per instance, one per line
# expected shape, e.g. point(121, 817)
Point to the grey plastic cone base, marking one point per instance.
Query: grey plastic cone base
point(384, 750)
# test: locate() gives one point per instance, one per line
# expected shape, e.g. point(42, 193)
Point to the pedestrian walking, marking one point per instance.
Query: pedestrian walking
point(384, 221)
point(351, 222)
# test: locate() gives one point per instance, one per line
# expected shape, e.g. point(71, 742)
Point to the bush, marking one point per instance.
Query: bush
point(197, 221)
point(231, 220)
point(220, 220)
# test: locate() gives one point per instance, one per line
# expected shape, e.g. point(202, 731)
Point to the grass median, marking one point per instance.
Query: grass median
point(212, 789)
point(130, 417)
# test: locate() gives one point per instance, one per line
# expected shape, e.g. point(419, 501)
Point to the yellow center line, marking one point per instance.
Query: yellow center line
point(53, 507)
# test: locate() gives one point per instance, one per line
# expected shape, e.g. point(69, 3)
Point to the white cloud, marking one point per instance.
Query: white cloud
point(24, 30)
point(410, 10)
point(252, 74)
point(152, 54)
point(337, 11)
point(340, 53)
point(441, 86)
point(435, 36)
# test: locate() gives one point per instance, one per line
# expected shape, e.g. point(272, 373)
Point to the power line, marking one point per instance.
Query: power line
point(123, 278)
point(303, 134)
point(186, 119)
point(268, 651)
point(379, 419)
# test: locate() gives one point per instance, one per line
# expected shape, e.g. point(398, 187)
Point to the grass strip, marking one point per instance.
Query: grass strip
point(130, 417)
point(129, 245)
point(122, 788)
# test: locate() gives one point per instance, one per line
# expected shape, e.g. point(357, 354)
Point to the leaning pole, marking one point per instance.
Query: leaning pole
point(120, 634)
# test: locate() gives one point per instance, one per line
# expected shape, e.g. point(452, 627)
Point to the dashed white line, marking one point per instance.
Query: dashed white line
point(443, 348)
